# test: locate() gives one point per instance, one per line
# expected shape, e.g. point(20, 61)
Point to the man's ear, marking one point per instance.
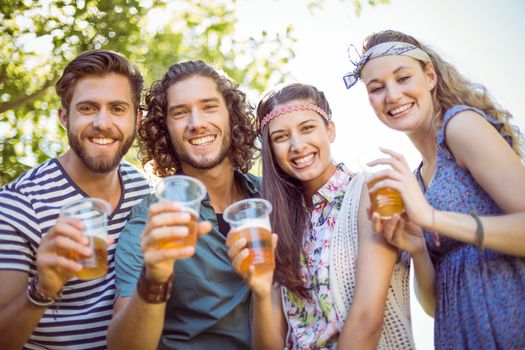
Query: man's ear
point(139, 117)
point(62, 117)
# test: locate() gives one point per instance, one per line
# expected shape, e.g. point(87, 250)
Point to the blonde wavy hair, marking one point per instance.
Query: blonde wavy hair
point(452, 88)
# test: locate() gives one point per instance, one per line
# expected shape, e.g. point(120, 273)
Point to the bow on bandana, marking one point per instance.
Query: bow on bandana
point(384, 49)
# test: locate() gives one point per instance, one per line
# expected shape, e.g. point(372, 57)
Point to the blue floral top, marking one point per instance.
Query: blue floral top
point(480, 295)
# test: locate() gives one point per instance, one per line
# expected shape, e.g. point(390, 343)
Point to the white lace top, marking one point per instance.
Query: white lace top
point(397, 330)
point(331, 272)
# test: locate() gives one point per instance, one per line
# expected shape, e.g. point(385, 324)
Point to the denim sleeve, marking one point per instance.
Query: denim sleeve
point(128, 256)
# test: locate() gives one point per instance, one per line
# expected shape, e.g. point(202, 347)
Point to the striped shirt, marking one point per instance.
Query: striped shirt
point(29, 207)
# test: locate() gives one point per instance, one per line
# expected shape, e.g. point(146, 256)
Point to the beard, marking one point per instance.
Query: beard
point(104, 164)
point(208, 162)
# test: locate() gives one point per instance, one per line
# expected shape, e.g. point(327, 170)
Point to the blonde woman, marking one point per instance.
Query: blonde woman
point(468, 194)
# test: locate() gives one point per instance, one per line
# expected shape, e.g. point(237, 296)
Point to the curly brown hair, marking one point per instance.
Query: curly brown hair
point(154, 140)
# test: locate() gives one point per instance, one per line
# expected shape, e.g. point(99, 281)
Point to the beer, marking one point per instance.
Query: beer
point(92, 213)
point(97, 264)
point(249, 219)
point(188, 192)
point(190, 240)
point(259, 244)
point(385, 201)
point(94, 266)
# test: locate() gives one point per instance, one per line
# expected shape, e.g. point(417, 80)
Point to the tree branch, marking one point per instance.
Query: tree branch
point(6, 106)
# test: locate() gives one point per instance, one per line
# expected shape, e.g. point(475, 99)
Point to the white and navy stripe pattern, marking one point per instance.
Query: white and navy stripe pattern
point(29, 207)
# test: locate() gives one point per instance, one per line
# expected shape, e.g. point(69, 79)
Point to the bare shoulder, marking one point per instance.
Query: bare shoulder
point(469, 134)
point(463, 122)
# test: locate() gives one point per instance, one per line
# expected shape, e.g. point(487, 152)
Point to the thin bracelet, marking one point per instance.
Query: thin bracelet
point(437, 242)
point(39, 303)
point(38, 297)
point(479, 231)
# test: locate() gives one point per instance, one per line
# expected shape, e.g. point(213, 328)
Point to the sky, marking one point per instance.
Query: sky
point(484, 39)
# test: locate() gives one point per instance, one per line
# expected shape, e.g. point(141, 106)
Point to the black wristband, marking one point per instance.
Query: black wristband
point(479, 231)
point(153, 292)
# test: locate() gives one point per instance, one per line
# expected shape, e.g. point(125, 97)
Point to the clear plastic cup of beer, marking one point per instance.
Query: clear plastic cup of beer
point(189, 192)
point(93, 214)
point(384, 201)
point(250, 219)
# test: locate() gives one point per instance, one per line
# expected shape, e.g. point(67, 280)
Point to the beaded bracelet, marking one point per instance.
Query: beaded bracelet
point(479, 231)
point(37, 297)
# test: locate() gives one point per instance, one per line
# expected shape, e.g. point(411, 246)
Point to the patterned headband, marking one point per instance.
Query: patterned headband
point(292, 108)
point(384, 49)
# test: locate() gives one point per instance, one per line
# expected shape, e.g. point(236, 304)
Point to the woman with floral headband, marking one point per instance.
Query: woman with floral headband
point(468, 194)
point(325, 294)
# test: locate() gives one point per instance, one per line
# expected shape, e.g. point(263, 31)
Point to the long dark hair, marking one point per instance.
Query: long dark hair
point(285, 193)
point(154, 141)
point(451, 88)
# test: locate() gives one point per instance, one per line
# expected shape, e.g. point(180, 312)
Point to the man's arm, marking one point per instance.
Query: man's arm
point(129, 317)
point(18, 314)
point(137, 323)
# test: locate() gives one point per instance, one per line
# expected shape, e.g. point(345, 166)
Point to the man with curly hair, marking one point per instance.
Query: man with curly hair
point(198, 124)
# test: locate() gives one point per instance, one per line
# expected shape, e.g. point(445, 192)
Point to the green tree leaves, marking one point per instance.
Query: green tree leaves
point(38, 38)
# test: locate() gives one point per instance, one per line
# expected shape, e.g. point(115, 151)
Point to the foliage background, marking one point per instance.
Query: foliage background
point(39, 37)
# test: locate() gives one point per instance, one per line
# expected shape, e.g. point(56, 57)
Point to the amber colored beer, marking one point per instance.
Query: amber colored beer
point(190, 240)
point(259, 244)
point(385, 201)
point(97, 264)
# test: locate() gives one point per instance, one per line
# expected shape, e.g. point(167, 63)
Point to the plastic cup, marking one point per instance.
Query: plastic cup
point(189, 192)
point(93, 213)
point(249, 219)
point(384, 201)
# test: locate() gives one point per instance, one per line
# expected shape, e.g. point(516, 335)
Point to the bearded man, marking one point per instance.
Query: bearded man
point(198, 124)
point(42, 304)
